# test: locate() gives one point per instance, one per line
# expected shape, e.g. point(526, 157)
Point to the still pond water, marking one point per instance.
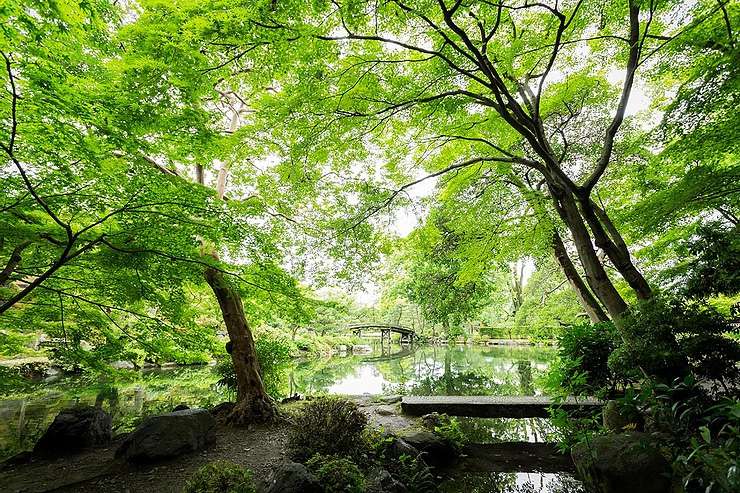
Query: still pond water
point(454, 370)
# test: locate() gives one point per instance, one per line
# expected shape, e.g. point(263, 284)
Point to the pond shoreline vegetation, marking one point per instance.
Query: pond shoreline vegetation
point(243, 229)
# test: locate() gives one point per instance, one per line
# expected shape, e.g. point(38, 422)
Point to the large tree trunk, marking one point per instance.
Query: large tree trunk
point(596, 275)
point(587, 300)
point(607, 237)
point(253, 404)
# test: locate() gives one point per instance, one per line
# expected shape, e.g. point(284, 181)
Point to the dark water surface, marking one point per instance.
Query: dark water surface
point(424, 370)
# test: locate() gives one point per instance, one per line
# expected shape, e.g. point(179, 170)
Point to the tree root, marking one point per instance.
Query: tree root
point(253, 411)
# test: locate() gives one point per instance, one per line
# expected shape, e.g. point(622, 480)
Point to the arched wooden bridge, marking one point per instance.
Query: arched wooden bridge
point(407, 335)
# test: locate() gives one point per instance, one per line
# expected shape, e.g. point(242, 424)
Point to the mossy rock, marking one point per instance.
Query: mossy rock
point(622, 463)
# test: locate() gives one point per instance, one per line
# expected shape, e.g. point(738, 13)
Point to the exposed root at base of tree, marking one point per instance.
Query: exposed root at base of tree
point(252, 411)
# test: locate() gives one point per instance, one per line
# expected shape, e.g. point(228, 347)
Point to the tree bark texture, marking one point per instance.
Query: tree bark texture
point(587, 300)
point(253, 404)
point(595, 273)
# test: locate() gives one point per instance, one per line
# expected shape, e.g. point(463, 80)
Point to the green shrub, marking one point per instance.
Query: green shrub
point(328, 426)
point(670, 337)
point(699, 433)
point(337, 475)
point(220, 477)
point(376, 441)
point(710, 461)
point(584, 351)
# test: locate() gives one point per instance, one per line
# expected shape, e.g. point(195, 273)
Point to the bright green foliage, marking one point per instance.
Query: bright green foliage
point(98, 201)
point(220, 477)
point(584, 351)
point(273, 352)
point(336, 474)
point(434, 277)
point(450, 429)
point(701, 346)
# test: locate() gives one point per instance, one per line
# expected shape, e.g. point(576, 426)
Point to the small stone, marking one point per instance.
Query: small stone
point(431, 420)
point(618, 419)
point(385, 410)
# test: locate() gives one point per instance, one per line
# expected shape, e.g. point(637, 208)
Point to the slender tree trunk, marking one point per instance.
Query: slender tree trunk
point(253, 404)
point(587, 300)
point(595, 274)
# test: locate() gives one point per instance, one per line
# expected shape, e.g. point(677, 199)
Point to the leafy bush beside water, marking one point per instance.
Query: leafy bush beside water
point(272, 353)
point(584, 351)
point(701, 342)
point(669, 345)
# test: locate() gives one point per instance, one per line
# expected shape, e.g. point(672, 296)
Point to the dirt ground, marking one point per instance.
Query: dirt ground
point(259, 448)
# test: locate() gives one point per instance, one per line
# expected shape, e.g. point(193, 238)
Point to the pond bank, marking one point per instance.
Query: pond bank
point(259, 448)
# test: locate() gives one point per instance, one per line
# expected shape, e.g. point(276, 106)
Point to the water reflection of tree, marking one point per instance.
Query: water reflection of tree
point(481, 483)
point(317, 376)
point(128, 398)
point(507, 483)
point(491, 430)
point(526, 384)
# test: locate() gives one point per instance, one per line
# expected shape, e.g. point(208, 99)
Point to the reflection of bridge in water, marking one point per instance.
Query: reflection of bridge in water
point(407, 335)
point(386, 355)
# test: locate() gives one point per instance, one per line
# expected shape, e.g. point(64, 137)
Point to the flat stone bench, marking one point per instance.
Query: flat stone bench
point(493, 406)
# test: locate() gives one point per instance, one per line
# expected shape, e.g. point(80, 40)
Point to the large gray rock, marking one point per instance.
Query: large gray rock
point(74, 429)
point(390, 399)
point(291, 477)
point(123, 365)
point(168, 435)
point(622, 463)
point(436, 451)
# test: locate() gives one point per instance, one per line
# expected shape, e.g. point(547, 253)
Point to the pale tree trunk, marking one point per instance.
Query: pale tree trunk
point(608, 238)
point(586, 298)
point(517, 274)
